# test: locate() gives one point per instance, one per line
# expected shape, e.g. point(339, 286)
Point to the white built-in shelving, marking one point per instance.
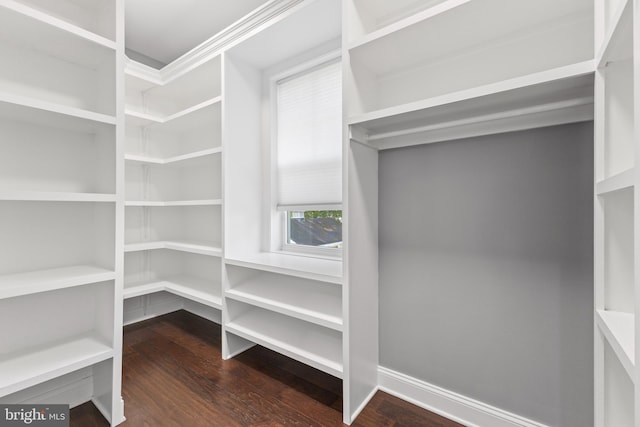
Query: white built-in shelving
point(33, 282)
point(190, 287)
point(61, 204)
point(54, 341)
point(390, 67)
point(289, 303)
point(52, 61)
point(310, 300)
point(511, 88)
point(189, 246)
point(174, 200)
point(420, 72)
point(314, 345)
point(616, 216)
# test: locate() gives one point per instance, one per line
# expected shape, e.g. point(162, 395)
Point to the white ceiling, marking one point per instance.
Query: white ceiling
point(166, 29)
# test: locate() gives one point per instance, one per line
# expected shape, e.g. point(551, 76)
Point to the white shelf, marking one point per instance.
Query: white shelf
point(31, 29)
point(31, 110)
point(175, 159)
point(381, 14)
point(314, 302)
point(182, 246)
point(618, 182)
point(46, 25)
point(192, 288)
point(618, 42)
point(34, 366)
point(561, 95)
point(406, 22)
point(619, 330)
point(324, 270)
point(147, 119)
point(311, 344)
point(38, 196)
point(149, 203)
point(380, 54)
point(15, 285)
point(137, 118)
point(166, 93)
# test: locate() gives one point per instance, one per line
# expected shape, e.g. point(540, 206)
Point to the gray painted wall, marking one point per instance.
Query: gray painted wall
point(486, 282)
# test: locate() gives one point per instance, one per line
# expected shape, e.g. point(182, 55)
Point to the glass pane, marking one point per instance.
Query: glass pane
point(315, 228)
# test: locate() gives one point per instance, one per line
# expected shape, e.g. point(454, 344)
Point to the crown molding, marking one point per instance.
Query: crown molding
point(212, 47)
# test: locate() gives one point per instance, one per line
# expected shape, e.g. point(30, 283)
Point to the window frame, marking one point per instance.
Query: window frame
point(280, 225)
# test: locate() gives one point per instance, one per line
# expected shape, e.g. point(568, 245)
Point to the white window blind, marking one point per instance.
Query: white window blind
point(309, 138)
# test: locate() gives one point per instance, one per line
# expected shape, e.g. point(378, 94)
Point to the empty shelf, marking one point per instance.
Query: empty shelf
point(561, 95)
point(618, 328)
point(149, 203)
point(32, 110)
point(616, 182)
point(138, 118)
point(176, 245)
point(42, 196)
point(193, 288)
point(311, 344)
point(174, 159)
point(315, 302)
point(50, 34)
point(47, 280)
point(324, 270)
point(33, 366)
point(618, 43)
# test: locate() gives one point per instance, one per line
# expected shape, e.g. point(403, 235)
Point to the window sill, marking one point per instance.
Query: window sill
point(298, 265)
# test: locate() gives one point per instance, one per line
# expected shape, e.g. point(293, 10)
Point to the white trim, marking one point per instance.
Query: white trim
point(212, 47)
point(303, 208)
point(451, 405)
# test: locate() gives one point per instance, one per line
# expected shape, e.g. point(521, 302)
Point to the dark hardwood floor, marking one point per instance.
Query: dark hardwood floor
point(173, 375)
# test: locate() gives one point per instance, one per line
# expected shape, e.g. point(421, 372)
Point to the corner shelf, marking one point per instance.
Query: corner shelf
point(176, 245)
point(174, 159)
point(619, 330)
point(316, 346)
point(314, 302)
point(33, 366)
point(189, 287)
point(138, 118)
point(15, 285)
point(151, 203)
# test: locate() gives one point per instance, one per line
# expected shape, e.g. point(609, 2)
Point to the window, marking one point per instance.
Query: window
point(309, 157)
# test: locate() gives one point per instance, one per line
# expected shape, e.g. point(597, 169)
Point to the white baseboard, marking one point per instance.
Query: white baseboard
point(209, 313)
point(454, 406)
point(146, 307)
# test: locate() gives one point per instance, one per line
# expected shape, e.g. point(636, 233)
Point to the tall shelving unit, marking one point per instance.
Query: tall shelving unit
point(413, 77)
point(61, 128)
point(173, 237)
point(616, 215)
point(295, 305)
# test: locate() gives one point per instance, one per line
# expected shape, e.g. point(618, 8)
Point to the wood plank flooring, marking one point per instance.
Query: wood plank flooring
point(173, 375)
